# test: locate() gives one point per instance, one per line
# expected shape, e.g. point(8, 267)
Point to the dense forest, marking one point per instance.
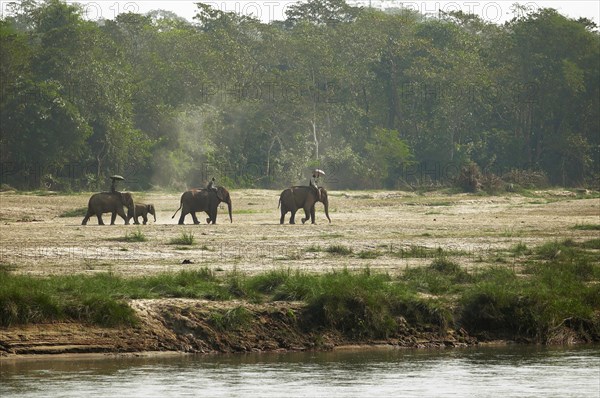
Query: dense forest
point(378, 99)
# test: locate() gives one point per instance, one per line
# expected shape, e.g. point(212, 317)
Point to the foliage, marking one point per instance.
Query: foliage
point(376, 98)
point(555, 293)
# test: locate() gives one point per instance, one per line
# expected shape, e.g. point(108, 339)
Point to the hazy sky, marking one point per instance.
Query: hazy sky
point(268, 10)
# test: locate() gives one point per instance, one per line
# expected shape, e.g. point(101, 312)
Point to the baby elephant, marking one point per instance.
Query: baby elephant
point(142, 210)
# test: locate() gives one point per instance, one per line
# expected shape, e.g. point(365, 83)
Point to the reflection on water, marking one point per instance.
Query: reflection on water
point(477, 372)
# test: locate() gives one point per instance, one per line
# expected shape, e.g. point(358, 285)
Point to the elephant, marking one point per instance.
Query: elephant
point(109, 202)
point(143, 210)
point(203, 199)
point(302, 197)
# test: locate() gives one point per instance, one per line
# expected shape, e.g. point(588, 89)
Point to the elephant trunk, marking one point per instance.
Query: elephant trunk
point(326, 205)
point(229, 208)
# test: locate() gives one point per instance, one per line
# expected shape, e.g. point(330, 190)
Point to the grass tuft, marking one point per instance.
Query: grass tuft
point(234, 319)
point(183, 239)
point(137, 236)
point(340, 250)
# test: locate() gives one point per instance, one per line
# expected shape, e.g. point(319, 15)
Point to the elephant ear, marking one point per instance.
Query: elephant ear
point(221, 194)
point(127, 199)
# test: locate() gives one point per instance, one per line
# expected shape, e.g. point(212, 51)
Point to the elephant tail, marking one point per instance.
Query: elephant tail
point(180, 204)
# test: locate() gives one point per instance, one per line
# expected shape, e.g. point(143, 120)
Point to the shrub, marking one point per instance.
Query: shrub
point(355, 304)
point(469, 178)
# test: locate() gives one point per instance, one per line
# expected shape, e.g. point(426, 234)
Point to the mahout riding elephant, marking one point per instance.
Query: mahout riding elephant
point(302, 197)
point(143, 210)
point(206, 200)
point(109, 202)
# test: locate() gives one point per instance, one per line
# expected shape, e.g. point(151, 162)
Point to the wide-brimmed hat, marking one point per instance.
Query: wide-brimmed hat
point(318, 172)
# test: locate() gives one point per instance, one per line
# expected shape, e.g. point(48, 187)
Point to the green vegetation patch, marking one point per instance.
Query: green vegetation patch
point(587, 227)
point(184, 239)
point(558, 287)
point(234, 319)
point(442, 276)
point(25, 299)
point(340, 250)
point(136, 236)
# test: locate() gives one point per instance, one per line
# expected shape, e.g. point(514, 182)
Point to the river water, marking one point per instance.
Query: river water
point(513, 371)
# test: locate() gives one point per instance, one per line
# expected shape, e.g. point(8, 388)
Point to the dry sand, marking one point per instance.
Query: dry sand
point(477, 230)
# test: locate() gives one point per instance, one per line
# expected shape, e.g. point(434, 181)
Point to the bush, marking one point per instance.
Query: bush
point(355, 304)
point(532, 307)
point(469, 178)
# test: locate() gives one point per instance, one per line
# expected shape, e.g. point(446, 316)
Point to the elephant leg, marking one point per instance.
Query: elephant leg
point(181, 218)
point(193, 213)
point(86, 218)
point(122, 214)
point(99, 216)
point(145, 217)
point(282, 219)
point(113, 217)
point(312, 215)
point(293, 216)
point(136, 221)
point(306, 215)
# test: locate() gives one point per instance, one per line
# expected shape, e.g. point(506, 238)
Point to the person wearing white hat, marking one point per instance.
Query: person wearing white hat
point(115, 178)
point(314, 181)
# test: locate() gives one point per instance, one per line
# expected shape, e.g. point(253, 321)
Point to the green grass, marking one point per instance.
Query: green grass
point(234, 319)
point(415, 251)
point(184, 239)
point(137, 236)
point(331, 236)
point(557, 284)
point(520, 249)
point(25, 299)
point(591, 244)
point(442, 276)
point(245, 211)
point(533, 307)
point(369, 254)
point(587, 227)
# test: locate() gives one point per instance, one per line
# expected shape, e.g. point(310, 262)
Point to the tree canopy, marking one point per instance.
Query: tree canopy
point(378, 99)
